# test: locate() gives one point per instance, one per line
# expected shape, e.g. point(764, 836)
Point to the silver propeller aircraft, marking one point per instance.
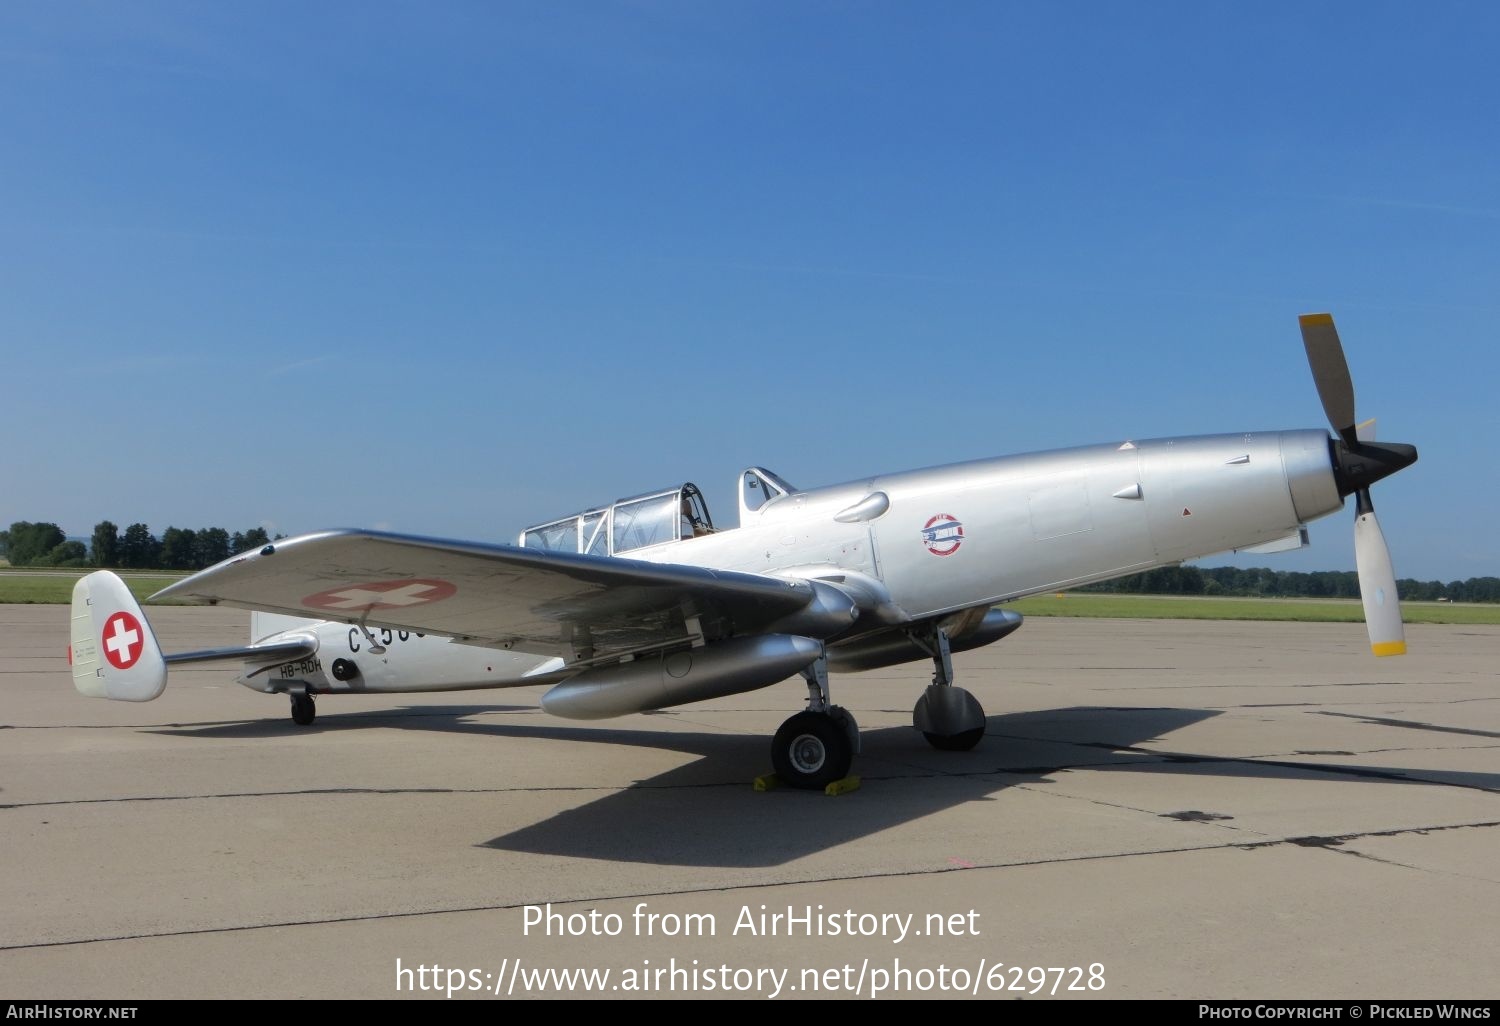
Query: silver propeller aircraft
point(642, 604)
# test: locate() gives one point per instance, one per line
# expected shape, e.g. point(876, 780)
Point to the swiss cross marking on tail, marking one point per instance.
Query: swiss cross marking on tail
point(123, 640)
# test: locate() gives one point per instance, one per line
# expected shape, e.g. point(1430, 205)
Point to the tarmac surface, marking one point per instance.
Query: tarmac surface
point(1161, 809)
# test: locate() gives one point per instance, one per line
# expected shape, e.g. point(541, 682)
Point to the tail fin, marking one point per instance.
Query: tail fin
point(114, 653)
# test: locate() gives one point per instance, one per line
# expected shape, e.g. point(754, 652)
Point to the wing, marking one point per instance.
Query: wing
point(579, 607)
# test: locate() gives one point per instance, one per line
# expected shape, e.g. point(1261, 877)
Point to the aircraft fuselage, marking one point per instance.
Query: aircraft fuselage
point(922, 544)
point(990, 531)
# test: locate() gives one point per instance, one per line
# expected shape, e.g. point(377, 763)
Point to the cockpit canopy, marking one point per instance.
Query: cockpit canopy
point(655, 518)
point(759, 488)
point(627, 525)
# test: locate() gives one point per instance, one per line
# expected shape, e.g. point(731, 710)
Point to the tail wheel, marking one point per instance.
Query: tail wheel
point(812, 750)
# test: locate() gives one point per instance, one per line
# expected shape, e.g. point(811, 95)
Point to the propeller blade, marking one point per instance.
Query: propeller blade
point(1330, 372)
point(1365, 430)
point(1377, 585)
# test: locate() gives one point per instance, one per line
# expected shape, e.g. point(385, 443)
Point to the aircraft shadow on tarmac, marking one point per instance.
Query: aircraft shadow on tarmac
point(705, 813)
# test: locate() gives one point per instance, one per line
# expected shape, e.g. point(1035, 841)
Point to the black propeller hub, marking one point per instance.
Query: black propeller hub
point(1359, 465)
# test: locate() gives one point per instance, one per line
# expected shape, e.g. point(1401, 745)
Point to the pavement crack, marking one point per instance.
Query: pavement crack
point(1213, 819)
point(1386, 721)
point(370, 792)
point(767, 885)
point(1337, 844)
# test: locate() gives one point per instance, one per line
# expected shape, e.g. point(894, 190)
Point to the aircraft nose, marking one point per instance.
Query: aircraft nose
point(1356, 467)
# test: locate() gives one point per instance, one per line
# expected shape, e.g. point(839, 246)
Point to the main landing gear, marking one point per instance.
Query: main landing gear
point(817, 746)
point(303, 710)
point(951, 719)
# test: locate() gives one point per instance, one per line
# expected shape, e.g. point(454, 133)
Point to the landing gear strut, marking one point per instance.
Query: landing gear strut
point(818, 745)
point(303, 710)
point(949, 717)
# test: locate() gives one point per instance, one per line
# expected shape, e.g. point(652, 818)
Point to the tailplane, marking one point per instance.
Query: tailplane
point(114, 652)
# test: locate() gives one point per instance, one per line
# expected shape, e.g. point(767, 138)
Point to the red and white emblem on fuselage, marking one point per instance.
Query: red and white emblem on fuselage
point(943, 534)
point(380, 595)
point(123, 640)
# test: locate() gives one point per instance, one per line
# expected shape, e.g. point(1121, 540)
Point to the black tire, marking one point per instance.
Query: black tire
point(811, 750)
point(844, 718)
point(303, 710)
point(960, 742)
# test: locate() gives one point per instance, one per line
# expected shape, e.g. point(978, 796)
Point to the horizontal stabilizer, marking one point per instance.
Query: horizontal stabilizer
point(270, 655)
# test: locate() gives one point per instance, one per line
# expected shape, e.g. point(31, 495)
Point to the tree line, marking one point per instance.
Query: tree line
point(1261, 582)
point(179, 548)
point(135, 548)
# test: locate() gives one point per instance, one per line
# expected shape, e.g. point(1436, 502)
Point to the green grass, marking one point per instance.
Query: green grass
point(20, 587)
point(1173, 607)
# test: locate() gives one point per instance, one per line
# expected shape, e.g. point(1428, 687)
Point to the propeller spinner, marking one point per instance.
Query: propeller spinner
point(1357, 464)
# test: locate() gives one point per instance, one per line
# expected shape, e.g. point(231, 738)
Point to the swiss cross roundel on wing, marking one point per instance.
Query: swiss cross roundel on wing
point(943, 534)
point(123, 639)
point(380, 595)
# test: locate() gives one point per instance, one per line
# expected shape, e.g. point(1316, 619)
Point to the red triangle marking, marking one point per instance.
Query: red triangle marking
point(1186, 512)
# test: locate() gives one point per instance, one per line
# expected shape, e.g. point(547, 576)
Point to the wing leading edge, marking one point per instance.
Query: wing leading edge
point(577, 606)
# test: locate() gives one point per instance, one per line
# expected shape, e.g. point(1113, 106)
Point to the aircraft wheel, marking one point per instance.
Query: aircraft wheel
point(812, 750)
point(303, 710)
point(844, 718)
point(960, 742)
point(951, 719)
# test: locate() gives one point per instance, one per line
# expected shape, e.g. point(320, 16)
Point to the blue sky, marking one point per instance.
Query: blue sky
point(453, 268)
